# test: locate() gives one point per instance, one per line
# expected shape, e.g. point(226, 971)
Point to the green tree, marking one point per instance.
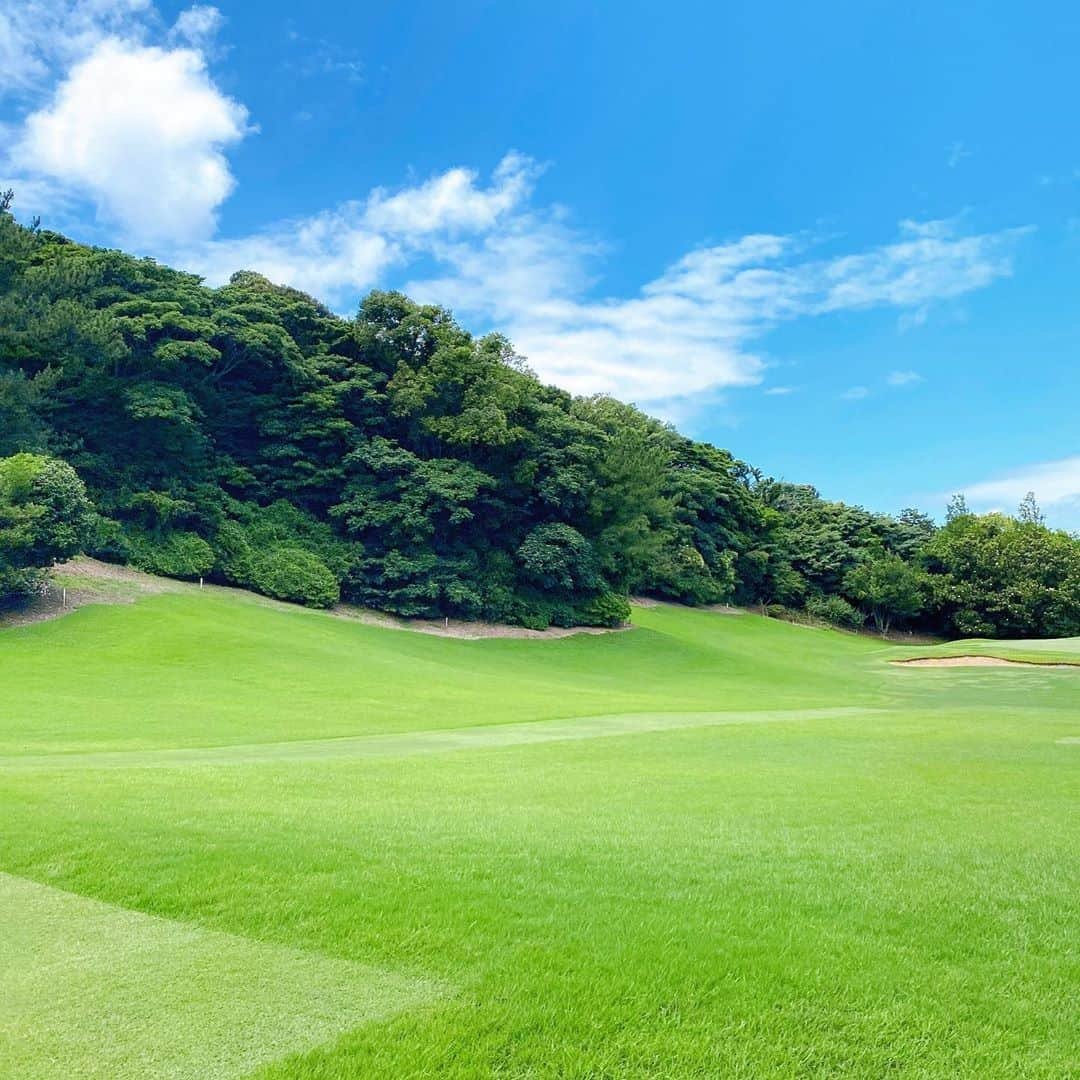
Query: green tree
point(991, 575)
point(887, 588)
point(45, 516)
point(1029, 512)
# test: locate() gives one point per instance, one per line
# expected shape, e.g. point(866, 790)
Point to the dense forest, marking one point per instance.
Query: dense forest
point(248, 435)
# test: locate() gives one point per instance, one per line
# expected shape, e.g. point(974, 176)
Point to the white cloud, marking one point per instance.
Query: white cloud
point(38, 35)
point(855, 393)
point(693, 327)
point(135, 126)
point(451, 201)
point(140, 132)
point(333, 255)
point(1053, 482)
point(20, 64)
point(779, 391)
point(339, 253)
point(501, 262)
point(930, 262)
point(197, 26)
point(903, 378)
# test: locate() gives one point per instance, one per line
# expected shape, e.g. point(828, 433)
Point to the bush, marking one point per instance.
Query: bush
point(533, 617)
point(681, 573)
point(291, 573)
point(17, 585)
point(250, 529)
point(177, 554)
point(109, 541)
point(972, 624)
point(835, 610)
point(607, 609)
point(233, 554)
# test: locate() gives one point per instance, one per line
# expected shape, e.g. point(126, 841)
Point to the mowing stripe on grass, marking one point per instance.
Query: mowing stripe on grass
point(421, 742)
point(93, 991)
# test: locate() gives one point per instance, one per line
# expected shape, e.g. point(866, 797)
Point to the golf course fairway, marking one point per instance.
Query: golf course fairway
point(246, 840)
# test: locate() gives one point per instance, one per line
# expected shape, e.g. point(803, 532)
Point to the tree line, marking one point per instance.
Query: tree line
point(248, 435)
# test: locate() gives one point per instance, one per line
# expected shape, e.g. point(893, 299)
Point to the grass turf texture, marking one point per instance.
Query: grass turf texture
point(94, 992)
point(880, 880)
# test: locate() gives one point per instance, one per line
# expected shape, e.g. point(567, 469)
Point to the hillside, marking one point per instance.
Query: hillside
point(249, 436)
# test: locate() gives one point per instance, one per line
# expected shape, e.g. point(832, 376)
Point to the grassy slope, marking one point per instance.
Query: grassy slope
point(880, 892)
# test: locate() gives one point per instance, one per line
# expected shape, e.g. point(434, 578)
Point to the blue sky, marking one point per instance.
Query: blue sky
point(841, 240)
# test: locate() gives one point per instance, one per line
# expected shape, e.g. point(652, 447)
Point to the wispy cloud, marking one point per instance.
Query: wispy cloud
point(695, 326)
point(39, 36)
point(502, 260)
point(779, 391)
point(1056, 485)
point(903, 378)
point(197, 27)
point(322, 56)
point(957, 152)
point(855, 393)
point(1069, 176)
point(1052, 481)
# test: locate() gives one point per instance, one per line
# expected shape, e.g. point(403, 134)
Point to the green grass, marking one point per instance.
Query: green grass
point(713, 846)
point(96, 992)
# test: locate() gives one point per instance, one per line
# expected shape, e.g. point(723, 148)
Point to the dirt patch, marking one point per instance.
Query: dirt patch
point(976, 661)
point(467, 631)
point(719, 609)
point(85, 581)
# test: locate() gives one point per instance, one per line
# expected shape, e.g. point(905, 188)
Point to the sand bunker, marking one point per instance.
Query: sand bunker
point(976, 661)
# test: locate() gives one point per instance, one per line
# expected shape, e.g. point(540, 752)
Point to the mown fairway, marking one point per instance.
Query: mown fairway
point(241, 840)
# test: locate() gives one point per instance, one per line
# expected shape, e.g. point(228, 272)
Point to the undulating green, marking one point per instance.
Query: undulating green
point(879, 879)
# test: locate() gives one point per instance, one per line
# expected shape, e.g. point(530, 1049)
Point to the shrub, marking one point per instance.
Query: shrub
point(250, 529)
point(233, 554)
point(540, 612)
point(533, 617)
point(109, 541)
point(606, 609)
point(16, 585)
point(973, 624)
point(291, 573)
point(681, 573)
point(835, 610)
point(176, 554)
